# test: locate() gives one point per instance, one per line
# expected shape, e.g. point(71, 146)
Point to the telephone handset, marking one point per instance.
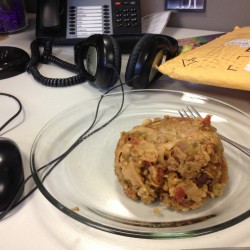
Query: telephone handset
point(69, 21)
point(49, 17)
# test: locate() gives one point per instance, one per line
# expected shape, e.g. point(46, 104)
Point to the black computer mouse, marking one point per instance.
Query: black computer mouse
point(11, 172)
point(12, 61)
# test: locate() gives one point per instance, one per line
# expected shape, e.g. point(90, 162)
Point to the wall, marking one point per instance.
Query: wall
point(221, 15)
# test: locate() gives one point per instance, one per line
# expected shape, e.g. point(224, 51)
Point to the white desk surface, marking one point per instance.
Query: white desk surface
point(37, 224)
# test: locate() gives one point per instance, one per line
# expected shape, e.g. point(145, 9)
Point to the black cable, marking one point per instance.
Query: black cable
point(54, 82)
point(80, 139)
point(16, 114)
point(46, 58)
point(84, 136)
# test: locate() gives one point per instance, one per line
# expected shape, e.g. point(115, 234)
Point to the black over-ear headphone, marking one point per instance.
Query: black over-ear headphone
point(95, 55)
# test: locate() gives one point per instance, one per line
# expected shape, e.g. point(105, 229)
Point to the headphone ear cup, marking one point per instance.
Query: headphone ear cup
point(95, 56)
point(117, 62)
point(150, 50)
point(139, 63)
point(108, 53)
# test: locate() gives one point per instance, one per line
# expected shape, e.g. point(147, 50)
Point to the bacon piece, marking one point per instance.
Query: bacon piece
point(206, 120)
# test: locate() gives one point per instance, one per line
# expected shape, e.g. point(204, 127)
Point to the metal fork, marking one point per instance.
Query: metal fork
point(191, 112)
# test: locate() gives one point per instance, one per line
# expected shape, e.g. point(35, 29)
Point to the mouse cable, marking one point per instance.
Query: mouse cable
point(16, 114)
point(82, 137)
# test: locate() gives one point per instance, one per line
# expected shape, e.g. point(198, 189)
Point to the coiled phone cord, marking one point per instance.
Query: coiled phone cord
point(47, 57)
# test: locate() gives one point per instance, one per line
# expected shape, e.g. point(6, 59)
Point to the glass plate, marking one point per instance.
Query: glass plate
point(84, 186)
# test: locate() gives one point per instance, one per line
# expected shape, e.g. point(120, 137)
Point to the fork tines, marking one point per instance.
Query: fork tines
point(191, 112)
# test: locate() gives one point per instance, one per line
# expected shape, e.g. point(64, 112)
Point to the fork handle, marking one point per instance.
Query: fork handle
point(242, 148)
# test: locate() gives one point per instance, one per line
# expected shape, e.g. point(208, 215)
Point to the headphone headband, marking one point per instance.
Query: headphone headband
point(127, 42)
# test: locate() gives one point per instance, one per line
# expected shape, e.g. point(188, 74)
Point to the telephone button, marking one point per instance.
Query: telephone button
point(118, 3)
point(106, 24)
point(132, 2)
point(134, 24)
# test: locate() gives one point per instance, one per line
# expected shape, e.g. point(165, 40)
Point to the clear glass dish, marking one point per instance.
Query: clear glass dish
point(84, 186)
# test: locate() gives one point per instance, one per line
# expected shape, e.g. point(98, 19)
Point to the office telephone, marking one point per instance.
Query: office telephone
point(68, 21)
point(101, 31)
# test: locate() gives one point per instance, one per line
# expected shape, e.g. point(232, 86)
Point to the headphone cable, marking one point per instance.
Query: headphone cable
point(80, 139)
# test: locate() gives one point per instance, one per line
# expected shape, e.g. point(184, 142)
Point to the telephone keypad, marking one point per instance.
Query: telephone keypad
point(127, 16)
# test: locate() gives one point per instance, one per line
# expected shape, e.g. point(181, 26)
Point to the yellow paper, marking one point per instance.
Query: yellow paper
point(223, 62)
